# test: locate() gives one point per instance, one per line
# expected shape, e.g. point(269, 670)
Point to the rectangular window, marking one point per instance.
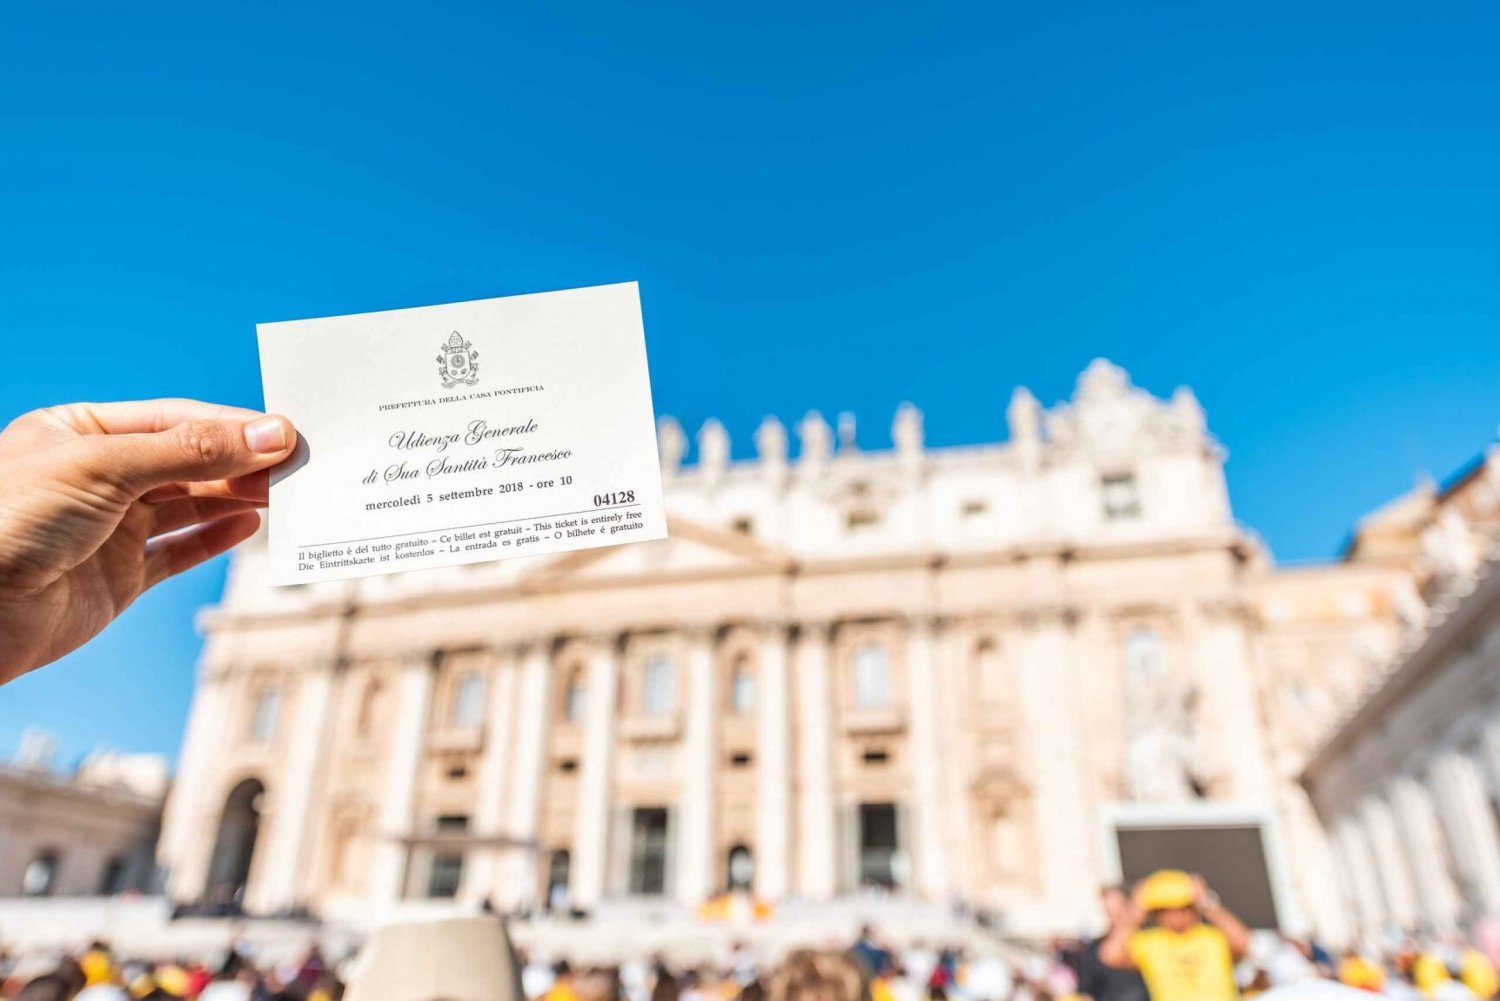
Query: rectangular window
point(657, 698)
point(1121, 497)
point(872, 677)
point(468, 701)
point(573, 698)
point(263, 723)
point(742, 691)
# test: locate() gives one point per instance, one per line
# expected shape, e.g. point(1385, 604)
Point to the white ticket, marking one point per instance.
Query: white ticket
point(460, 433)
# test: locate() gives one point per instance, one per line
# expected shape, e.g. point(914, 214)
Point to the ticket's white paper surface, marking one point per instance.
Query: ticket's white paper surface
point(460, 433)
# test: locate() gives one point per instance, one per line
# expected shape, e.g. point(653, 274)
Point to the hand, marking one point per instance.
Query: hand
point(98, 502)
point(1204, 898)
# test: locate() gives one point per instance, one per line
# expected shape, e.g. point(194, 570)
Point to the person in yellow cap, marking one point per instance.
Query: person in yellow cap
point(97, 965)
point(1181, 937)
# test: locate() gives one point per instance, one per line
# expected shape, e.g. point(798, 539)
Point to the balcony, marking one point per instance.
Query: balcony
point(874, 719)
point(643, 729)
point(451, 739)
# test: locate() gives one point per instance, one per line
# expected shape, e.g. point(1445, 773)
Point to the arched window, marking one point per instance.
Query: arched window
point(267, 709)
point(656, 687)
point(872, 676)
point(40, 877)
point(468, 701)
point(234, 846)
point(369, 708)
point(573, 696)
point(742, 688)
point(116, 876)
point(739, 869)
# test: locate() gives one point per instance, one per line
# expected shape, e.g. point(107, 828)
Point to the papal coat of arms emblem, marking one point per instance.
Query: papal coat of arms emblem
point(459, 362)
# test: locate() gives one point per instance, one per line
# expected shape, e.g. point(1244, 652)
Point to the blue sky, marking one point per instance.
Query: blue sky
point(1295, 209)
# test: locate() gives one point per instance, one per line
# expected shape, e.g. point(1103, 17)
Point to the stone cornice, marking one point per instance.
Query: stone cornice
point(1048, 614)
point(1230, 607)
point(922, 619)
point(225, 618)
point(214, 618)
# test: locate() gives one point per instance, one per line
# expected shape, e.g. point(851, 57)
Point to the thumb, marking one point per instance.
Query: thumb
point(187, 452)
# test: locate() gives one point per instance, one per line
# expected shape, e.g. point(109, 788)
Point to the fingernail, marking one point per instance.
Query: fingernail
point(265, 435)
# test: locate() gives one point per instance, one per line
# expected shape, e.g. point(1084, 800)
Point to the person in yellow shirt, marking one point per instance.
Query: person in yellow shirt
point(1428, 970)
point(1181, 937)
point(565, 986)
point(1478, 973)
point(1358, 972)
point(98, 965)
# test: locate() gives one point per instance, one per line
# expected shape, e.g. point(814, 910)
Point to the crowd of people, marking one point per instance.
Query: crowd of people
point(1171, 939)
point(97, 974)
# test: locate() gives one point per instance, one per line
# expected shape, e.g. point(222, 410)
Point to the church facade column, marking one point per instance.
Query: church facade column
point(1390, 861)
point(281, 876)
point(482, 868)
point(192, 813)
point(927, 759)
point(1066, 820)
point(1490, 744)
point(954, 649)
point(521, 875)
point(1359, 868)
point(1218, 646)
point(1470, 826)
point(1421, 838)
point(773, 771)
point(700, 766)
point(817, 858)
point(590, 853)
point(408, 740)
point(1320, 881)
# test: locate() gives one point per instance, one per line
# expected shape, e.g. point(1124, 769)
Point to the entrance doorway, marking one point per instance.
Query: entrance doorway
point(234, 847)
point(879, 845)
point(648, 851)
point(559, 871)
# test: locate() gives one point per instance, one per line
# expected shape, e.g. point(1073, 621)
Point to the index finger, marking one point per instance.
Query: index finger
point(144, 416)
point(252, 487)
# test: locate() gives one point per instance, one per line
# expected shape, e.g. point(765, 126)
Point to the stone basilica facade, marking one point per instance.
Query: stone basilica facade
point(992, 673)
